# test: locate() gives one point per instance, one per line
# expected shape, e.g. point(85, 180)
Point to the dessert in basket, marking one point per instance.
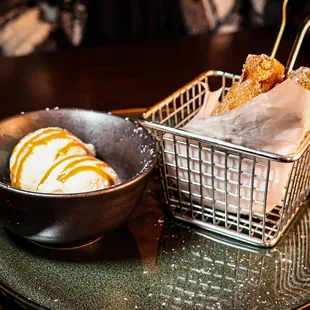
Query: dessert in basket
point(265, 110)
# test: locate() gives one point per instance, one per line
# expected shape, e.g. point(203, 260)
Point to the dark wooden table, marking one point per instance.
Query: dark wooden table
point(130, 75)
point(127, 76)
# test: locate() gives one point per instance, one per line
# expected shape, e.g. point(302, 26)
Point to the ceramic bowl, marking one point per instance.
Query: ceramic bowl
point(65, 219)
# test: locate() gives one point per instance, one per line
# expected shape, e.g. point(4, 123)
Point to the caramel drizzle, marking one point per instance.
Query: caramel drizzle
point(20, 152)
point(67, 168)
point(97, 169)
point(64, 150)
point(32, 144)
point(55, 165)
point(68, 171)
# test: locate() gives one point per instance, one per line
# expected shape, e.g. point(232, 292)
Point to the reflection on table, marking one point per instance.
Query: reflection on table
point(201, 273)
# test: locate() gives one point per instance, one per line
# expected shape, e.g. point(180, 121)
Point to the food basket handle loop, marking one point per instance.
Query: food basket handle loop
point(283, 24)
point(298, 41)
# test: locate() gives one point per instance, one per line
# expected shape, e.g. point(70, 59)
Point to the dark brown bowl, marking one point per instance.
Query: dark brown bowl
point(57, 219)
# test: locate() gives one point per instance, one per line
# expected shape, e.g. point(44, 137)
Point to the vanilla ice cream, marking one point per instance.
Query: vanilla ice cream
point(77, 174)
point(37, 152)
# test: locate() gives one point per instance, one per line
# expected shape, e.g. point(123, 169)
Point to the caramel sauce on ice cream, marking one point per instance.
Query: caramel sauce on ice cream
point(53, 160)
point(29, 148)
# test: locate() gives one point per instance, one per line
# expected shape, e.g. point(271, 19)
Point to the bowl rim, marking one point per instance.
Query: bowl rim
point(134, 179)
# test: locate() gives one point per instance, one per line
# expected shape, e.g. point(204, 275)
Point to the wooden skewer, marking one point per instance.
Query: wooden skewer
point(283, 24)
point(297, 43)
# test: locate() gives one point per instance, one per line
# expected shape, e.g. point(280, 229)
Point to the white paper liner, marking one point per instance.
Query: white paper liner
point(276, 121)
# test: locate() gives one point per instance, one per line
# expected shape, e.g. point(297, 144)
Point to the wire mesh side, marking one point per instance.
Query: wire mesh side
point(184, 105)
point(212, 186)
point(297, 189)
point(227, 191)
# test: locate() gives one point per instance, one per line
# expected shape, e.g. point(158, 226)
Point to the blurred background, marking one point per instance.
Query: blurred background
point(34, 26)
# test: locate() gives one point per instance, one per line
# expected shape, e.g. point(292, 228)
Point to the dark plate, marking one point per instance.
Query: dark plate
point(148, 264)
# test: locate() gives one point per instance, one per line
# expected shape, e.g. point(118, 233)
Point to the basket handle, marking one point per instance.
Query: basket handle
point(297, 43)
point(282, 27)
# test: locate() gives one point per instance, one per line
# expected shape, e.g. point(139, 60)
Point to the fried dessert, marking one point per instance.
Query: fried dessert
point(77, 174)
point(38, 151)
point(301, 76)
point(260, 74)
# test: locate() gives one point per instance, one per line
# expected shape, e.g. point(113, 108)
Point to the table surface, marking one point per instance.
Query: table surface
point(130, 76)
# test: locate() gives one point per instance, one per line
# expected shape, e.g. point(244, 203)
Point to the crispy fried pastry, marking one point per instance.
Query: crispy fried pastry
point(259, 75)
point(301, 76)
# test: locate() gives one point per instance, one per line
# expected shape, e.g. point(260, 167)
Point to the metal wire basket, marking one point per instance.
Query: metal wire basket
point(212, 205)
point(220, 186)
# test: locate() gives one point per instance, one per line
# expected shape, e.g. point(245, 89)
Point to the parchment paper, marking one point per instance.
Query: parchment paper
point(276, 121)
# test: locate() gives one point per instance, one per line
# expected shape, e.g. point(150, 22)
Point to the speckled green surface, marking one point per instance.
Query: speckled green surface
point(153, 264)
point(183, 269)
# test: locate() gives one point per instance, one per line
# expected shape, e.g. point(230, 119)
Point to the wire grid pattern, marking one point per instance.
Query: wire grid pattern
point(297, 189)
point(215, 187)
point(211, 275)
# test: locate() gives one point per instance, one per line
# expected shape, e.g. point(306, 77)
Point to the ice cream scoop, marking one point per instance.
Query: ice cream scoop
point(77, 174)
point(38, 151)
